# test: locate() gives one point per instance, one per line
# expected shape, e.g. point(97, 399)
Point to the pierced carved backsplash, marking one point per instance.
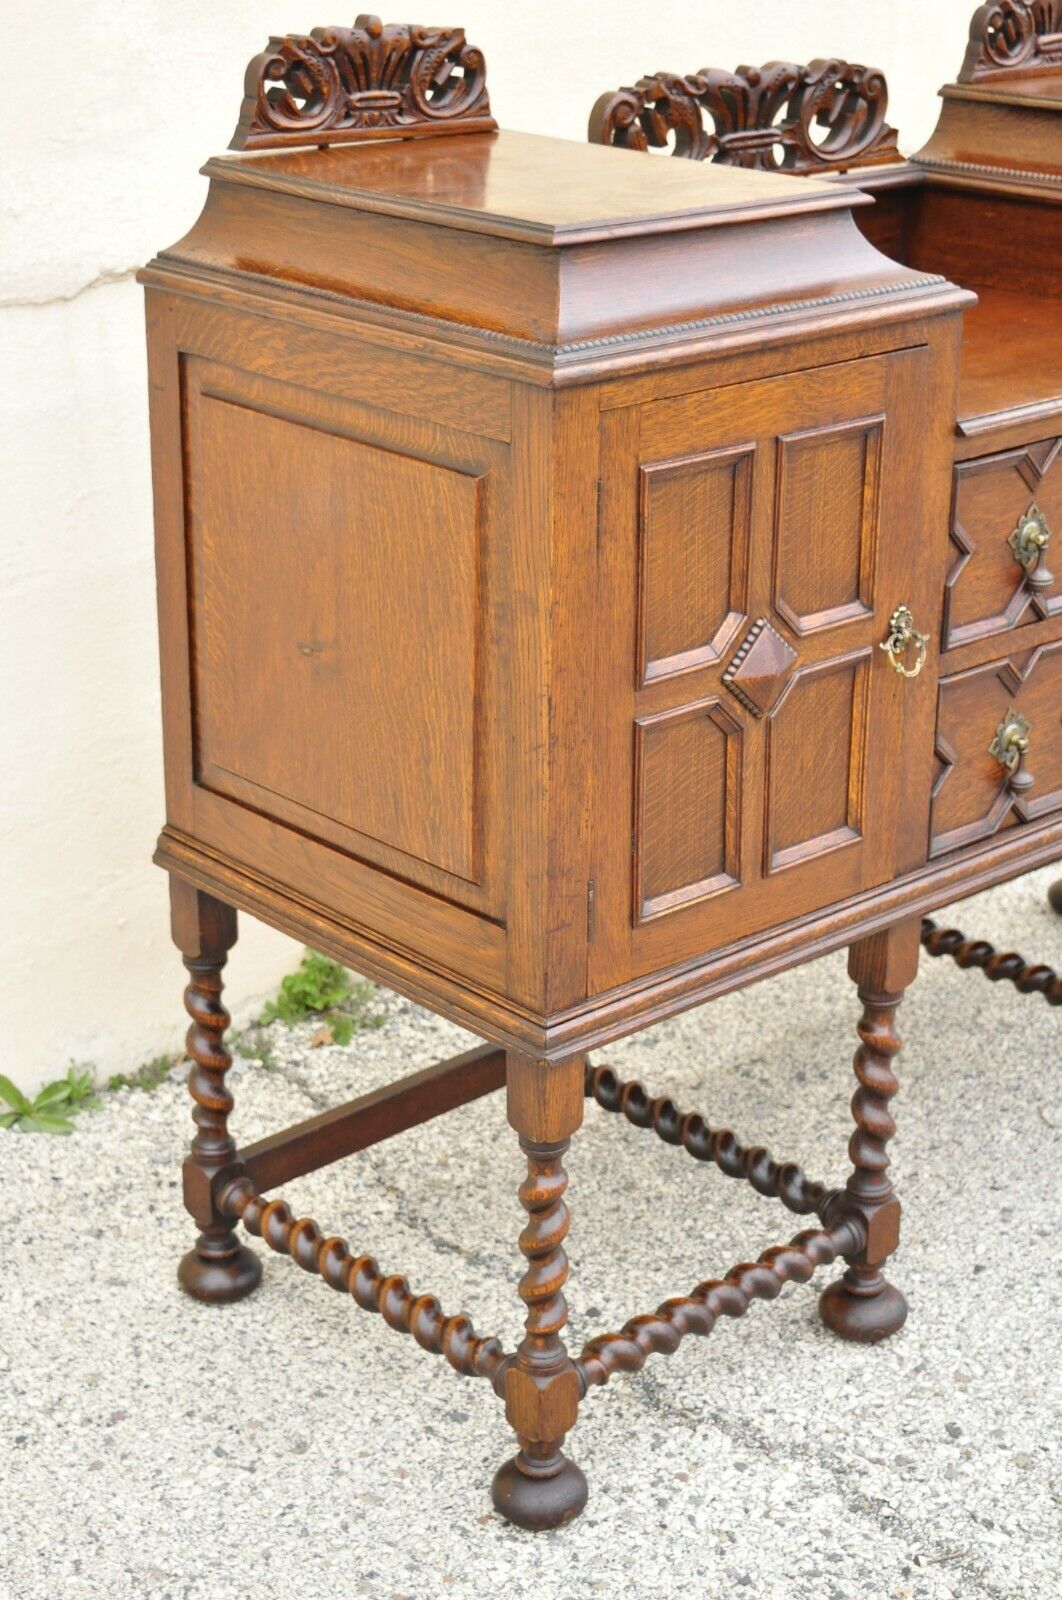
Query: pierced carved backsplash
point(338, 85)
point(826, 116)
point(1013, 35)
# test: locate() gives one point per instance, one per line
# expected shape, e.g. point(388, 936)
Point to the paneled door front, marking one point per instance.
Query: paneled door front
point(763, 757)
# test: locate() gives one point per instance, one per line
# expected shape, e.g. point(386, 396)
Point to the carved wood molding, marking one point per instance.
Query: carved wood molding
point(762, 117)
point(1013, 35)
point(371, 81)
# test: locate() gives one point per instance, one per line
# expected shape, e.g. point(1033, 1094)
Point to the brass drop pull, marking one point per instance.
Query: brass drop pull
point(1009, 748)
point(1029, 542)
point(903, 636)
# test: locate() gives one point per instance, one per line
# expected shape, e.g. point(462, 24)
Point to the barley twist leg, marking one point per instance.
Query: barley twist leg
point(863, 1305)
point(219, 1268)
point(540, 1487)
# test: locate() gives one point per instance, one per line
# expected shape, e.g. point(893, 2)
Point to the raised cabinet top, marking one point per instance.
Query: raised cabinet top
point(525, 186)
point(560, 261)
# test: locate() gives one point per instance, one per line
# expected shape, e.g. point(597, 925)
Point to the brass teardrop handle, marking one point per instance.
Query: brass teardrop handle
point(903, 636)
point(1009, 748)
point(1029, 542)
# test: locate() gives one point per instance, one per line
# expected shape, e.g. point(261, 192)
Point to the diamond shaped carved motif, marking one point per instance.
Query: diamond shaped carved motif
point(760, 670)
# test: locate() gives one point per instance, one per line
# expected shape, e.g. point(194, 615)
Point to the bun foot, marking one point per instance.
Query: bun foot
point(539, 1495)
point(862, 1312)
point(1054, 895)
point(221, 1276)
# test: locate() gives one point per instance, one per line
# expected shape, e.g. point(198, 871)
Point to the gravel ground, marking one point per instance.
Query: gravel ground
point(292, 1448)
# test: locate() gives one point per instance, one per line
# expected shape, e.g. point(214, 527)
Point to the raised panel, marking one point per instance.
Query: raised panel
point(336, 678)
point(972, 795)
point(693, 558)
point(988, 589)
point(687, 807)
point(826, 523)
point(816, 755)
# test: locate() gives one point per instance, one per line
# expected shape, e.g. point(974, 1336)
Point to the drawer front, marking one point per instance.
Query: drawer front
point(984, 715)
point(1006, 515)
point(761, 760)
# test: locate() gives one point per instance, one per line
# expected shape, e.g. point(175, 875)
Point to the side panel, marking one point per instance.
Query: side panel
point(334, 573)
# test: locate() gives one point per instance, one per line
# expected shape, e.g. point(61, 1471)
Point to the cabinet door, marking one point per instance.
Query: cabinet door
point(761, 758)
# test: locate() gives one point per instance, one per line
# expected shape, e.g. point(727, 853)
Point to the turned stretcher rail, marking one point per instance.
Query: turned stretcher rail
point(662, 1331)
point(388, 1293)
point(998, 966)
point(783, 1181)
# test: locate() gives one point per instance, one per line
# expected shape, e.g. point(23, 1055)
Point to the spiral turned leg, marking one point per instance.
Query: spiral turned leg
point(219, 1268)
point(863, 1305)
point(539, 1487)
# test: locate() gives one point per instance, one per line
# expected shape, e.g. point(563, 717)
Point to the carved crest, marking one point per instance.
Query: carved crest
point(826, 116)
point(371, 81)
point(1009, 35)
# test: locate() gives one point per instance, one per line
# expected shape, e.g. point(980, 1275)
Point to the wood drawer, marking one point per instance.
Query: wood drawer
point(974, 795)
point(990, 587)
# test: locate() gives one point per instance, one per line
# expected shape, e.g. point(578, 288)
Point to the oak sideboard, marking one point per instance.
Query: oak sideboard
point(580, 595)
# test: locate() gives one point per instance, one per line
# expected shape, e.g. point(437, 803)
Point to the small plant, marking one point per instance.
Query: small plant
point(252, 1045)
point(322, 988)
point(50, 1111)
point(150, 1076)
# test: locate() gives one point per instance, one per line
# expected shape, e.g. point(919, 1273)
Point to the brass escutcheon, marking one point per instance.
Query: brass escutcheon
point(1011, 740)
point(902, 636)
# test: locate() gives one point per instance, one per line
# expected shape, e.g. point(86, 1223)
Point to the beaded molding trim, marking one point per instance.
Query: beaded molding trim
point(671, 330)
point(982, 169)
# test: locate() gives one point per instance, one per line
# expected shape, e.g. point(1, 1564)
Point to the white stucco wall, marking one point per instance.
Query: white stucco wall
point(100, 169)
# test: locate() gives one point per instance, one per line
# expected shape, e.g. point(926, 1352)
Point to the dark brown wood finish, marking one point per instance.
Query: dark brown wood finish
point(783, 1181)
point(589, 583)
point(388, 1293)
point(540, 1487)
point(827, 116)
point(364, 82)
point(998, 966)
point(219, 1268)
point(992, 173)
point(863, 1305)
point(380, 1114)
point(1009, 36)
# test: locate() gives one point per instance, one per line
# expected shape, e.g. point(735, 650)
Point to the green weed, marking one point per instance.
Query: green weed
point(50, 1110)
point(150, 1076)
point(322, 988)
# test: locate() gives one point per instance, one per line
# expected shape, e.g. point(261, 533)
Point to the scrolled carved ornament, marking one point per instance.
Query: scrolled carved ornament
point(1013, 35)
point(371, 81)
point(771, 117)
